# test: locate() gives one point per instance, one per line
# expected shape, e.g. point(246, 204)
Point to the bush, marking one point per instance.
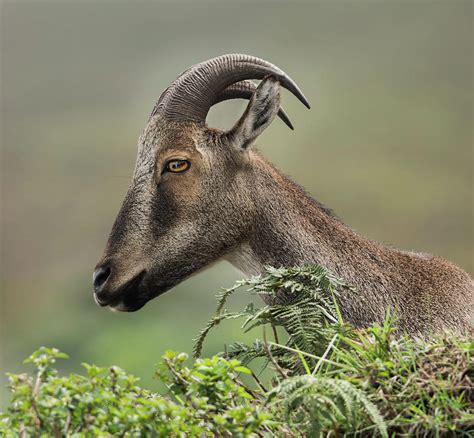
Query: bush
point(328, 379)
point(208, 399)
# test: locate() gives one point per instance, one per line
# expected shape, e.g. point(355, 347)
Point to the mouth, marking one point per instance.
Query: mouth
point(130, 297)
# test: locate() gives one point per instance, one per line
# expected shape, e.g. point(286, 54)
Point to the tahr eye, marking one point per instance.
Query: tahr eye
point(177, 166)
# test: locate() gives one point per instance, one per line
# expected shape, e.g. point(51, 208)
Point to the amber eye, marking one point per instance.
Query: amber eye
point(177, 166)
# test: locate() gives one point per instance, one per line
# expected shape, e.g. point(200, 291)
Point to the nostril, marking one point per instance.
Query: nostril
point(100, 277)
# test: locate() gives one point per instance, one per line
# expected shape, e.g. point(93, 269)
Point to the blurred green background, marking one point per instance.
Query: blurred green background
point(387, 145)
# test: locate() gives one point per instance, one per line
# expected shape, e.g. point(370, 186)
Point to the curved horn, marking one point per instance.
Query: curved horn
point(193, 93)
point(244, 90)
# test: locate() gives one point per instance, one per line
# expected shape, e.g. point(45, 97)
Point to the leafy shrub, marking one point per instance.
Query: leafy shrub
point(209, 400)
point(328, 379)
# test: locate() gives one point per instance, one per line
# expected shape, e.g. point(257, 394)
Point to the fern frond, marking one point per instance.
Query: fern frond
point(225, 295)
point(199, 340)
point(324, 401)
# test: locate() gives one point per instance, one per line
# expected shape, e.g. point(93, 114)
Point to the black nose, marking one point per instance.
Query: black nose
point(99, 278)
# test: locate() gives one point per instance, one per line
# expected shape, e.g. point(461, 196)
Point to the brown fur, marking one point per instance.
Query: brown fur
point(426, 292)
point(232, 204)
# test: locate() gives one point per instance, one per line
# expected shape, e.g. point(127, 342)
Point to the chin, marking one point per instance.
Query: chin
point(137, 299)
point(122, 307)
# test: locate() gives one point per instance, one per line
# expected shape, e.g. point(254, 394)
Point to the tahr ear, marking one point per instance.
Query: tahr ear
point(260, 112)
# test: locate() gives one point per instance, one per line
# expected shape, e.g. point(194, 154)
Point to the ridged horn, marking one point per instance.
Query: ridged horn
point(193, 93)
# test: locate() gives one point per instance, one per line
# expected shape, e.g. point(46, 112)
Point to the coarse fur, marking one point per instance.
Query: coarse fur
point(232, 204)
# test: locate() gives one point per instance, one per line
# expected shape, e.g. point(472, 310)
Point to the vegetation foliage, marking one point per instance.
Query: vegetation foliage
point(206, 398)
point(327, 378)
